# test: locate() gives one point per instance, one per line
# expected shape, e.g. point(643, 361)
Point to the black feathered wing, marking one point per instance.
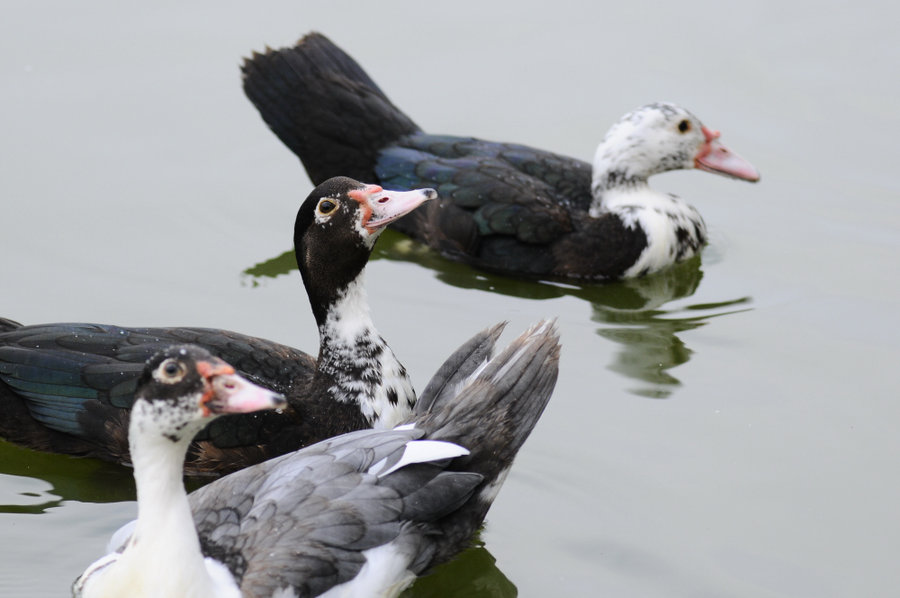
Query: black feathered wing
point(79, 380)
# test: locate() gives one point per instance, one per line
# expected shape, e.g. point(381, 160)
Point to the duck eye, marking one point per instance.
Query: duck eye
point(171, 371)
point(684, 126)
point(326, 206)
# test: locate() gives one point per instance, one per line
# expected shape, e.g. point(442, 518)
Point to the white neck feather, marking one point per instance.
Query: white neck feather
point(162, 557)
point(349, 316)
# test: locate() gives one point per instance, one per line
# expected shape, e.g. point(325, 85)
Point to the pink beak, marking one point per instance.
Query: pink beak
point(382, 207)
point(235, 394)
point(227, 392)
point(716, 158)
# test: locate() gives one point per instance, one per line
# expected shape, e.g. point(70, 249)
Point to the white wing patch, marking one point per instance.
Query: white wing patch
point(420, 451)
point(384, 575)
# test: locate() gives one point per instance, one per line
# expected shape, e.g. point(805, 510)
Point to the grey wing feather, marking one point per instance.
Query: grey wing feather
point(459, 366)
point(301, 519)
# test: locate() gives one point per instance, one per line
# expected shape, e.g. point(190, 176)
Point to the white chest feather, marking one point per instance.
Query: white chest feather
point(675, 230)
point(162, 555)
point(127, 574)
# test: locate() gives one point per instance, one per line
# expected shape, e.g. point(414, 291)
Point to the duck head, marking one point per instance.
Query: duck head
point(336, 229)
point(183, 387)
point(657, 138)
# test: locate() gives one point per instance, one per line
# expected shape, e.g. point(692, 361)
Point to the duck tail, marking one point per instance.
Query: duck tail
point(324, 107)
point(456, 369)
point(489, 405)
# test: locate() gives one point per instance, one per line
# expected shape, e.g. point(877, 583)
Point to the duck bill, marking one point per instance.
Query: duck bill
point(227, 392)
point(716, 158)
point(381, 207)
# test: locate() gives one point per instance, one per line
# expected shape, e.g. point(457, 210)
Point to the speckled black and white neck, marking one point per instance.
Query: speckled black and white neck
point(360, 364)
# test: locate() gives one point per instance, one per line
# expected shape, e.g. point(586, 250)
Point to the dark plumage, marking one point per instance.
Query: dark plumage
point(504, 207)
point(68, 388)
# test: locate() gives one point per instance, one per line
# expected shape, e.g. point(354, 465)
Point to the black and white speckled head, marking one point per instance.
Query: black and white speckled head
point(657, 138)
point(335, 230)
point(183, 387)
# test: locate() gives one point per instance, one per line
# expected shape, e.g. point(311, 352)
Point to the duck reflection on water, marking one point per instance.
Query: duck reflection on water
point(643, 316)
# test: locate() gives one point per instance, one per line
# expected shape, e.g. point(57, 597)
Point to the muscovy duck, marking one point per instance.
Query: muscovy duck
point(180, 390)
point(364, 513)
point(68, 388)
point(504, 207)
